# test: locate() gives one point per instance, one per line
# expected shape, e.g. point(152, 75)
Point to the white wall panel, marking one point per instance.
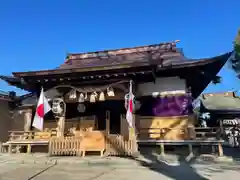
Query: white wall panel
point(162, 85)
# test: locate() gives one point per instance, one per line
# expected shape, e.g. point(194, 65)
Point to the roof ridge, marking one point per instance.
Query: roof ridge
point(144, 48)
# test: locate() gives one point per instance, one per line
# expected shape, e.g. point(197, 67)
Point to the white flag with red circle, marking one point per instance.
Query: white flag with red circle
point(43, 108)
point(129, 115)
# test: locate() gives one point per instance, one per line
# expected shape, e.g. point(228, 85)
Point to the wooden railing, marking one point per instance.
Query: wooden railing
point(78, 145)
point(116, 145)
point(20, 135)
point(208, 132)
point(166, 133)
point(179, 133)
point(64, 146)
point(31, 135)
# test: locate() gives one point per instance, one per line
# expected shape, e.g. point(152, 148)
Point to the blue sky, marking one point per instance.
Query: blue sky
point(37, 34)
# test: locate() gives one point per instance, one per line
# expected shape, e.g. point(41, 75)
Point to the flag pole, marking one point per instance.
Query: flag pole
point(132, 128)
point(42, 108)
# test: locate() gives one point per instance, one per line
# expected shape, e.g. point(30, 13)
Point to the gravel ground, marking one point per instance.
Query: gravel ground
point(40, 167)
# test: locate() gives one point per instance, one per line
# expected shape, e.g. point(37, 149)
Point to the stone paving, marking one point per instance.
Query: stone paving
point(41, 167)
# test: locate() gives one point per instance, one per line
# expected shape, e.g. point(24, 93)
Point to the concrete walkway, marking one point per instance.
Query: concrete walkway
point(41, 167)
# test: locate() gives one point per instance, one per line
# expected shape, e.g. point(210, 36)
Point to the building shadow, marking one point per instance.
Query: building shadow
point(232, 152)
point(182, 171)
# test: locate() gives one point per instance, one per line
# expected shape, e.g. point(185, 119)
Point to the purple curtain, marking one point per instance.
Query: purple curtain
point(168, 106)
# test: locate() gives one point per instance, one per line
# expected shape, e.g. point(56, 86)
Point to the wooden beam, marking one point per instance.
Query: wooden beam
point(87, 70)
point(81, 78)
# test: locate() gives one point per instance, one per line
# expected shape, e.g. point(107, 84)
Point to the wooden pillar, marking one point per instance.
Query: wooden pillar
point(162, 149)
point(220, 150)
point(78, 124)
point(61, 120)
point(10, 148)
point(108, 145)
point(190, 148)
point(132, 133)
point(124, 127)
point(61, 126)
point(213, 149)
point(191, 132)
point(27, 120)
point(107, 122)
point(29, 148)
point(191, 154)
point(133, 136)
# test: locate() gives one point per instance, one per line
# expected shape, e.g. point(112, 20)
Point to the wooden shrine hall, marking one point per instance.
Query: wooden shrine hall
point(88, 95)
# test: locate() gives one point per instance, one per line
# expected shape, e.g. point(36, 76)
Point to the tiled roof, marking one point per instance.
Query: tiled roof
point(221, 103)
point(4, 96)
point(156, 53)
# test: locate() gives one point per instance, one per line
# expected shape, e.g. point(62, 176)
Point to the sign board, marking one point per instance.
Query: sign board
point(231, 121)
